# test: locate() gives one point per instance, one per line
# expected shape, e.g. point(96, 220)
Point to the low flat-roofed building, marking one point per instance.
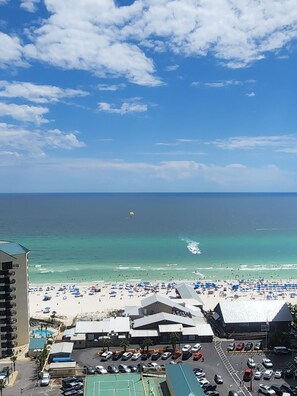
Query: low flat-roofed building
point(181, 380)
point(252, 316)
point(36, 346)
point(60, 350)
point(62, 369)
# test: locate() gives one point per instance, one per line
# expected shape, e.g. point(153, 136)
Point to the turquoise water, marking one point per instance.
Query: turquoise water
point(42, 333)
point(92, 237)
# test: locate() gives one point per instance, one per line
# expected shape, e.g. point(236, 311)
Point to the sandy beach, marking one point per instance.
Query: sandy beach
point(87, 301)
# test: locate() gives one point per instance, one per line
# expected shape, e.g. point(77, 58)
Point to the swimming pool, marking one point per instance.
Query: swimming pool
point(42, 333)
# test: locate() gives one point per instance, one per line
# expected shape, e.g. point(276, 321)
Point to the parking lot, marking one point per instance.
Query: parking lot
point(215, 360)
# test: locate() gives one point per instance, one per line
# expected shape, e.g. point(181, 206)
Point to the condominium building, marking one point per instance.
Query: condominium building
point(14, 308)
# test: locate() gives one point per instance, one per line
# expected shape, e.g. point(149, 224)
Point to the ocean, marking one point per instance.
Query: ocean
point(130, 237)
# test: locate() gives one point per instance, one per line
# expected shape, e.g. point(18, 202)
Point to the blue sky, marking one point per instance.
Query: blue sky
point(148, 95)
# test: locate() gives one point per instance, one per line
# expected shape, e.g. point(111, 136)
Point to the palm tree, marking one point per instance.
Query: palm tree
point(146, 344)
point(124, 344)
point(174, 339)
point(107, 342)
point(1, 385)
point(13, 359)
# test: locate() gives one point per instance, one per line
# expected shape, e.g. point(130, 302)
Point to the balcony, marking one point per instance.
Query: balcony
point(9, 344)
point(8, 321)
point(6, 281)
point(8, 313)
point(7, 304)
point(7, 289)
point(8, 337)
point(8, 329)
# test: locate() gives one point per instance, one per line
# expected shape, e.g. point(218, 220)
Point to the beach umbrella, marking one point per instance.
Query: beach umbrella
point(113, 292)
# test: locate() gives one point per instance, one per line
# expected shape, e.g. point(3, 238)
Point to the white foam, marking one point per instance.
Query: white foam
point(192, 246)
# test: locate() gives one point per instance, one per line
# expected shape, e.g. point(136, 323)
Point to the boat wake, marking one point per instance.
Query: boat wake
point(192, 246)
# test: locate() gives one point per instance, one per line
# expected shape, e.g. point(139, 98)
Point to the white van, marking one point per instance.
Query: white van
point(282, 350)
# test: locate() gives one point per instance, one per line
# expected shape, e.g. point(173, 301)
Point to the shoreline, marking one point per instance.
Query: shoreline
point(94, 300)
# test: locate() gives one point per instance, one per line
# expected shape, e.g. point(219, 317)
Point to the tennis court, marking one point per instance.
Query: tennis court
point(115, 385)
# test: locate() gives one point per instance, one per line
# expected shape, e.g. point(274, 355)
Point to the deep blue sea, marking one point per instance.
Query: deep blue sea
point(94, 237)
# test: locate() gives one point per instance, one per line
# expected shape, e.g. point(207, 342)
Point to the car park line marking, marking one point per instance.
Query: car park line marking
point(230, 369)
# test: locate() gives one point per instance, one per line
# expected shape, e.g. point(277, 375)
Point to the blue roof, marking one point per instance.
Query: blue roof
point(37, 343)
point(182, 381)
point(12, 248)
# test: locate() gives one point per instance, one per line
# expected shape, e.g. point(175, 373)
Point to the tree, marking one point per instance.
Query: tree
point(13, 359)
point(1, 385)
point(107, 342)
point(124, 344)
point(146, 343)
point(174, 338)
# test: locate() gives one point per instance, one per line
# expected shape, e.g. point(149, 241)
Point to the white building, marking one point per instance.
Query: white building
point(14, 307)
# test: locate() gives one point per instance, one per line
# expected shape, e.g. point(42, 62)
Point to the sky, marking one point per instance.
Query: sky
point(148, 96)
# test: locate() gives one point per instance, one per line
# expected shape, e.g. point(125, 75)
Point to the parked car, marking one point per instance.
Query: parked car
point(127, 355)
point(248, 374)
point(248, 346)
point(212, 393)
point(258, 346)
point(45, 379)
point(209, 387)
point(231, 346)
point(218, 379)
point(265, 390)
point(286, 388)
point(186, 348)
point(186, 355)
point(156, 355)
point(278, 374)
point(196, 348)
point(88, 369)
point(288, 373)
point(132, 368)
point(277, 389)
point(258, 375)
point(197, 356)
point(165, 355)
point(267, 374)
point(112, 369)
point(267, 363)
point(123, 368)
point(136, 356)
point(232, 393)
point(106, 355)
point(146, 356)
point(101, 370)
point(251, 363)
point(203, 381)
point(240, 346)
point(295, 359)
point(117, 356)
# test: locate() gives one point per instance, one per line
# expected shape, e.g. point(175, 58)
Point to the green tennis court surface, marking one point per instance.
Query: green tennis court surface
point(115, 385)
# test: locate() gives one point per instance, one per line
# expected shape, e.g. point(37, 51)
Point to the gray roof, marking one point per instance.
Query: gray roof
point(61, 347)
point(160, 317)
point(187, 291)
point(254, 311)
point(107, 325)
point(12, 248)
point(173, 303)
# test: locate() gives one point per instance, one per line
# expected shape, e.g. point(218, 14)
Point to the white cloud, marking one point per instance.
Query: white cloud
point(125, 108)
point(37, 93)
point(251, 94)
point(171, 68)
point(25, 143)
point(10, 50)
point(113, 87)
point(29, 5)
point(24, 113)
point(281, 143)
